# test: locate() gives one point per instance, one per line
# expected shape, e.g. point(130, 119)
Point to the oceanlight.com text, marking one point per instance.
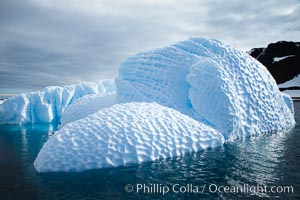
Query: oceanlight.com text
point(141, 188)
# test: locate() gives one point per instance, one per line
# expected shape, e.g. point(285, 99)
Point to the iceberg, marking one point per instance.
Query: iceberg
point(211, 82)
point(87, 105)
point(47, 105)
point(167, 102)
point(124, 134)
point(289, 102)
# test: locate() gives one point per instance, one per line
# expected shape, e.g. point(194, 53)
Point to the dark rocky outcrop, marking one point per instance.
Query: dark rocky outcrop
point(281, 58)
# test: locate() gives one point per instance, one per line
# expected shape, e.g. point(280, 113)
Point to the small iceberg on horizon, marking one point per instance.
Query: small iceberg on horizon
point(192, 95)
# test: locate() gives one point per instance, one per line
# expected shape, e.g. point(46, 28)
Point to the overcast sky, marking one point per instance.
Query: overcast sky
point(56, 42)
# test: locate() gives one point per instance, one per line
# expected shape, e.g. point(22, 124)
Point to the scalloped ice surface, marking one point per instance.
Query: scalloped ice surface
point(210, 82)
point(86, 105)
point(124, 134)
point(47, 105)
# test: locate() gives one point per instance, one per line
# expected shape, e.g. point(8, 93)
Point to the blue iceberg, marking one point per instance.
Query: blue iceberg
point(125, 134)
point(48, 105)
point(167, 102)
point(210, 82)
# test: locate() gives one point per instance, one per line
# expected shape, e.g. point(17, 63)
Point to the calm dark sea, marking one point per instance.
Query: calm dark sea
point(270, 160)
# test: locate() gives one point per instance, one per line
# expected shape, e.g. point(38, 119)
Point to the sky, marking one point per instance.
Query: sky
point(59, 42)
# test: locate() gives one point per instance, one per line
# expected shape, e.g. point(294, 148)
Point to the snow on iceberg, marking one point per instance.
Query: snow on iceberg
point(124, 134)
point(47, 105)
point(210, 82)
point(86, 105)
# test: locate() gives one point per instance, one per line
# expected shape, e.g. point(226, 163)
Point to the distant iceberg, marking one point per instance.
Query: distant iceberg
point(189, 96)
point(47, 105)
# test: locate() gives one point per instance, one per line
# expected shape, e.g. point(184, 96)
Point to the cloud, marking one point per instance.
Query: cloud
point(54, 42)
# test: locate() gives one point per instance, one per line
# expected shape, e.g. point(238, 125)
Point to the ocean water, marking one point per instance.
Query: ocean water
point(270, 161)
